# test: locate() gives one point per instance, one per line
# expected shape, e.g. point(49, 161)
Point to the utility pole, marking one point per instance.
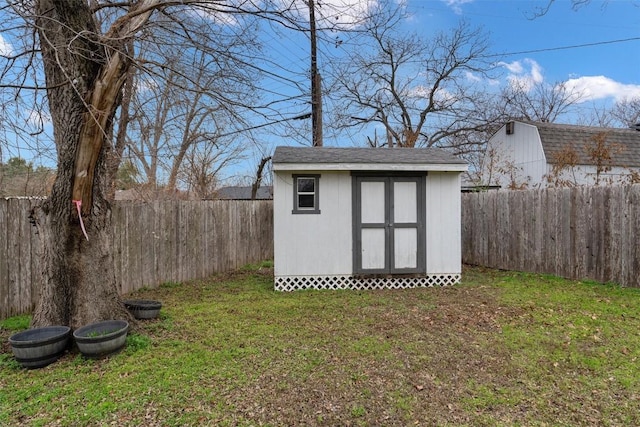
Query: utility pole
point(316, 91)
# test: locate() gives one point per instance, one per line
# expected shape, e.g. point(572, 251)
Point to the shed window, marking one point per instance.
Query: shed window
point(306, 194)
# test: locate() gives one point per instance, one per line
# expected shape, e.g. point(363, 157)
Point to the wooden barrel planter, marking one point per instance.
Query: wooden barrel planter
point(143, 309)
point(39, 347)
point(100, 339)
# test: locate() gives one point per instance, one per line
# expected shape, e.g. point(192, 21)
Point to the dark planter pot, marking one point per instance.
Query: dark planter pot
point(143, 308)
point(101, 339)
point(39, 347)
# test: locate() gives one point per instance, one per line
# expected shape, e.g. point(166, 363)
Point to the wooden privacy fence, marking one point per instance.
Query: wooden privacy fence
point(153, 243)
point(579, 233)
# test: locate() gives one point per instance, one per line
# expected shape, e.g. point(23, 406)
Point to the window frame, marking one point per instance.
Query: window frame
point(316, 195)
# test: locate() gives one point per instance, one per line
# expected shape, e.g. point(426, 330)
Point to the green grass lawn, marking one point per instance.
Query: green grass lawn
point(502, 348)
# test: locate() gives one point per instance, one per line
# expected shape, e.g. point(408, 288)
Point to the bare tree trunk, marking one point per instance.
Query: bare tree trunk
point(121, 137)
point(84, 80)
point(256, 184)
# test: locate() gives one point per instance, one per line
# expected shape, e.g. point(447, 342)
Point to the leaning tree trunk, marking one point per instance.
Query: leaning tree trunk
point(84, 74)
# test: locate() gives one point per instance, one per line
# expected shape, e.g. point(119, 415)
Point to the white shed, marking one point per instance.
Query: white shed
point(366, 218)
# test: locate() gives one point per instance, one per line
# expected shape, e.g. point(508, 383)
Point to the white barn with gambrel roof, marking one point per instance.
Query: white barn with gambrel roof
point(366, 218)
point(525, 154)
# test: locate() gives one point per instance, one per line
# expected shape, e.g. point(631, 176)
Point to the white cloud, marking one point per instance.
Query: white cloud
point(599, 87)
point(5, 46)
point(216, 16)
point(456, 5)
point(527, 73)
point(472, 77)
point(442, 95)
point(475, 78)
point(513, 67)
point(329, 13)
point(345, 14)
point(523, 74)
point(536, 71)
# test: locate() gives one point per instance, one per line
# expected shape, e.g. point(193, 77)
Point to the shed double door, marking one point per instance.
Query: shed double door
point(389, 216)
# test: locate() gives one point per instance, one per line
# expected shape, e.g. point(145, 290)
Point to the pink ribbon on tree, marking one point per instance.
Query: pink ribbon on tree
point(78, 204)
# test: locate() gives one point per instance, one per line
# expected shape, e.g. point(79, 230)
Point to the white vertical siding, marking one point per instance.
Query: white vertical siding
point(313, 244)
point(443, 228)
point(586, 175)
point(516, 158)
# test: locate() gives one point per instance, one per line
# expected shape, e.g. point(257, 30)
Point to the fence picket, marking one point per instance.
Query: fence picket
point(153, 243)
point(580, 233)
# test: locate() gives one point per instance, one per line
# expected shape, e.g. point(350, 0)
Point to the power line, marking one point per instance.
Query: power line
point(302, 116)
point(549, 49)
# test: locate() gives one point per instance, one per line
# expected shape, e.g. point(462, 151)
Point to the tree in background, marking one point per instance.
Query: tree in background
point(16, 166)
point(422, 93)
point(627, 112)
point(624, 113)
point(600, 152)
point(188, 102)
point(19, 178)
point(563, 169)
point(127, 176)
point(537, 101)
point(203, 164)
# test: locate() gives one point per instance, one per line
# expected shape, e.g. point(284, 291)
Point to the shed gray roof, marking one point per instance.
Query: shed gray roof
point(335, 155)
point(624, 143)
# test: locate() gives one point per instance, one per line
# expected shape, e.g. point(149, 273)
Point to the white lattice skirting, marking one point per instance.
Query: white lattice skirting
point(297, 283)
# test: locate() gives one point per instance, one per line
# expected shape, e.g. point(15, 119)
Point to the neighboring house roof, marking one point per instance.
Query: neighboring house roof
point(363, 158)
point(244, 193)
point(624, 144)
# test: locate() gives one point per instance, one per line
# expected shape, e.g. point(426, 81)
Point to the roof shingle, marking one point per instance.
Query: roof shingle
point(413, 156)
point(623, 144)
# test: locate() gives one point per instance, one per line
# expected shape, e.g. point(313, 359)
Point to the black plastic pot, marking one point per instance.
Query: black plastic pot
point(101, 339)
point(39, 347)
point(143, 308)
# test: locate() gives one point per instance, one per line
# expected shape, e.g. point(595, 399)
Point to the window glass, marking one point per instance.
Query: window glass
point(305, 200)
point(306, 185)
